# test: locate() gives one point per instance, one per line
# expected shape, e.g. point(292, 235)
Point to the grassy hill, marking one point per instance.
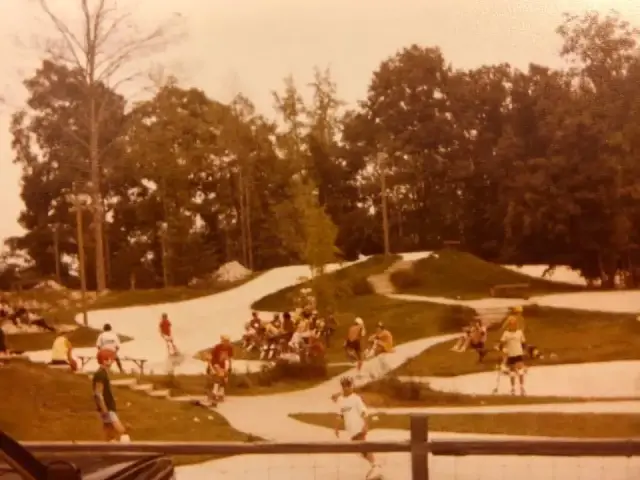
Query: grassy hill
point(454, 274)
point(347, 282)
point(40, 403)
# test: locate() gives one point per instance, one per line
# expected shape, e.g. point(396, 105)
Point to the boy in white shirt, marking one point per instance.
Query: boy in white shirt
point(511, 343)
point(352, 417)
point(109, 340)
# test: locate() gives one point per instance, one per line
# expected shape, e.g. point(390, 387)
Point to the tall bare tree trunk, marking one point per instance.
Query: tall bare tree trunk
point(242, 214)
point(56, 251)
point(96, 196)
point(383, 195)
point(248, 216)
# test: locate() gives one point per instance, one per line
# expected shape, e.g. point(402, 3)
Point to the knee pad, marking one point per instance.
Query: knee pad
point(512, 374)
point(521, 371)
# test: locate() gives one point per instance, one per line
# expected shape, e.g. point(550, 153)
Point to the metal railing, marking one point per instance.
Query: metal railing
point(419, 447)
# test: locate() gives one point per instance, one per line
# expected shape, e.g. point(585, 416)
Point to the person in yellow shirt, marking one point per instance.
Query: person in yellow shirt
point(61, 352)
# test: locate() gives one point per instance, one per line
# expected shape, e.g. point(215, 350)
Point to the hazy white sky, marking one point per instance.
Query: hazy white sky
point(250, 45)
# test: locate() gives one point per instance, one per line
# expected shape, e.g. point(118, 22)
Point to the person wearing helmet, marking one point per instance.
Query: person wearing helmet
point(109, 340)
point(218, 369)
point(104, 399)
point(512, 344)
point(353, 418)
point(516, 313)
point(353, 342)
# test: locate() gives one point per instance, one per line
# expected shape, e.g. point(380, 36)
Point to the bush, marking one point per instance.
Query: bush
point(405, 279)
point(392, 390)
point(282, 371)
point(457, 317)
point(361, 287)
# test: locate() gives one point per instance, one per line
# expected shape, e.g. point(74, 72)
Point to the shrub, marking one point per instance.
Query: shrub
point(282, 371)
point(456, 317)
point(405, 279)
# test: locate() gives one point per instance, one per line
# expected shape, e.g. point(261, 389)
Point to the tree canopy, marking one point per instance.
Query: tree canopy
point(524, 166)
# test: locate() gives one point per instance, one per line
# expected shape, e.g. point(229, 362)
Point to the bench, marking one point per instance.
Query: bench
point(451, 244)
point(511, 290)
point(138, 362)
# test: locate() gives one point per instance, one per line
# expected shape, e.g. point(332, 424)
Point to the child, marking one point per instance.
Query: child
point(105, 402)
point(512, 344)
point(353, 417)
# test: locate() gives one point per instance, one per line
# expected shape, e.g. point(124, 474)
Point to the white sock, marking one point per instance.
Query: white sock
point(215, 389)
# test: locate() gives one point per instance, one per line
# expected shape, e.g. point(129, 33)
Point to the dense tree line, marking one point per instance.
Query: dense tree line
point(540, 165)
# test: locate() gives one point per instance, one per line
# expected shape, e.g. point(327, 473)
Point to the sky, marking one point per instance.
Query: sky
point(251, 45)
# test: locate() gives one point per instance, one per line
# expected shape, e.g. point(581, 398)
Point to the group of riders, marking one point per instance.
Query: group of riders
point(304, 335)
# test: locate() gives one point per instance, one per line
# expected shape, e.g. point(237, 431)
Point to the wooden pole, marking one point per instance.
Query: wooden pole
point(81, 261)
point(419, 437)
point(382, 167)
point(56, 251)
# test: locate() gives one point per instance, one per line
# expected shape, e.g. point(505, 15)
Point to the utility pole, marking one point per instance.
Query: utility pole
point(56, 251)
point(163, 228)
point(382, 169)
point(81, 202)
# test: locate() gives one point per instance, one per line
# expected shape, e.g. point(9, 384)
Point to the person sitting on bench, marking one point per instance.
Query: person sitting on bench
point(61, 352)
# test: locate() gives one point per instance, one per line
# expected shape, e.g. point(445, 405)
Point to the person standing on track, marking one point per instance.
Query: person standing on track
point(165, 328)
point(511, 343)
point(219, 368)
point(105, 402)
point(353, 417)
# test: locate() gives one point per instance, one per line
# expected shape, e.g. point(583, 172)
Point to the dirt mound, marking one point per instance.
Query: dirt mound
point(232, 272)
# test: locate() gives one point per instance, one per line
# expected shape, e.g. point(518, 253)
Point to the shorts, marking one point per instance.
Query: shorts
point(109, 418)
point(511, 361)
point(477, 345)
point(353, 345)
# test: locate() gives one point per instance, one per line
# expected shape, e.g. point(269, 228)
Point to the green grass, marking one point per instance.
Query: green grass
point(345, 283)
point(247, 384)
point(564, 336)
point(57, 313)
point(455, 274)
point(390, 392)
point(45, 404)
point(131, 298)
point(584, 425)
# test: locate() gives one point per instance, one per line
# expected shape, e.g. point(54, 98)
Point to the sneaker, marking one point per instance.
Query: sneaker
point(513, 391)
point(522, 392)
point(374, 473)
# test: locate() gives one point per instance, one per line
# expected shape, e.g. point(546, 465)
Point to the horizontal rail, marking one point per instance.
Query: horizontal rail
point(542, 448)
point(221, 448)
point(551, 448)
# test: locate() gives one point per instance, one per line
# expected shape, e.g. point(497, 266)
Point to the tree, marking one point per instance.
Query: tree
point(102, 49)
point(305, 227)
point(51, 165)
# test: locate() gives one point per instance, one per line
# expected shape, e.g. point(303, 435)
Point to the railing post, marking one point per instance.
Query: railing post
point(419, 425)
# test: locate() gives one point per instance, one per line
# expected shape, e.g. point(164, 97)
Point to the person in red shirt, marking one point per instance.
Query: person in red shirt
point(219, 368)
point(165, 332)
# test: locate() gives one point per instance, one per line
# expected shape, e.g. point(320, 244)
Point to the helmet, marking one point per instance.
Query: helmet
point(346, 381)
point(105, 355)
point(359, 321)
point(107, 327)
point(225, 338)
point(517, 309)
